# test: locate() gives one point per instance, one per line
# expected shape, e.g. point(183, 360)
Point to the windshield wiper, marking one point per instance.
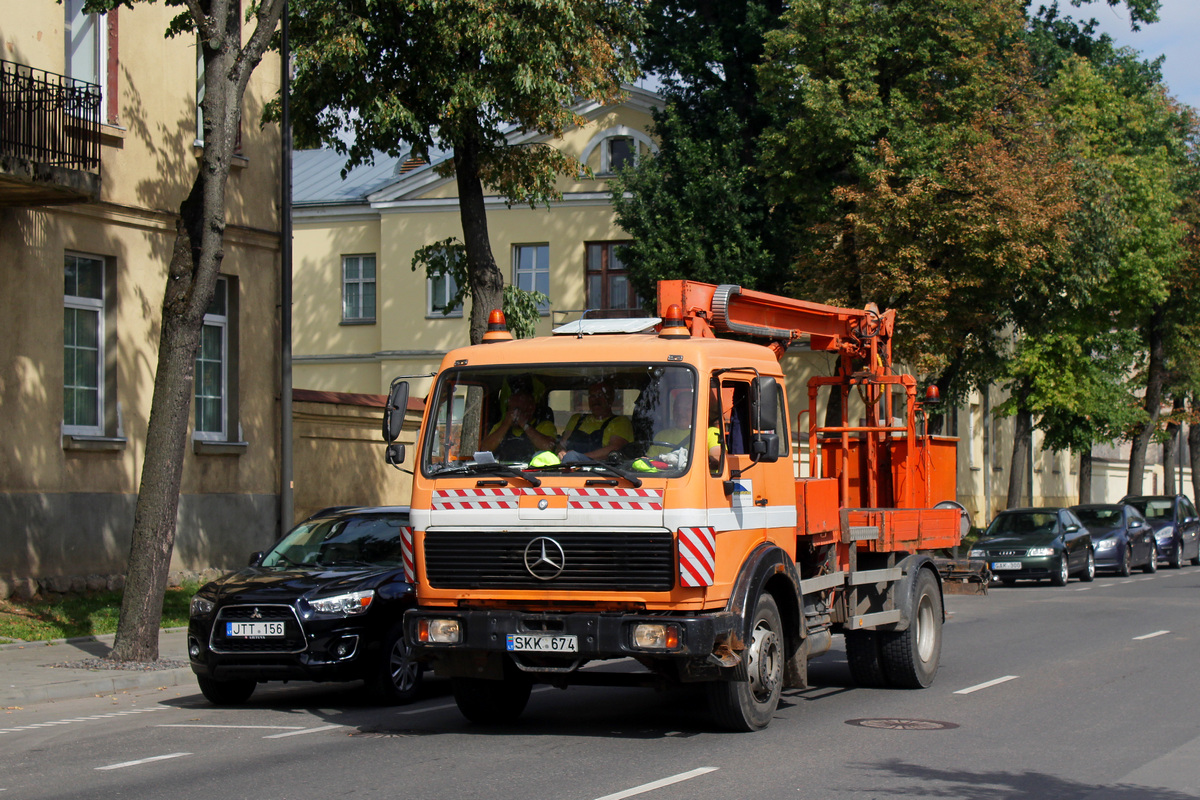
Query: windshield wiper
point(609, 469)
point(494, 467)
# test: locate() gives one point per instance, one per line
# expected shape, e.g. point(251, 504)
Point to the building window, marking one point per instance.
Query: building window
point(83, 345)
point(86, 51)
point(531, 270)
point(608, 286)
point(212, 368)
point(440, 291)
point(358, 288)
point(621, 152)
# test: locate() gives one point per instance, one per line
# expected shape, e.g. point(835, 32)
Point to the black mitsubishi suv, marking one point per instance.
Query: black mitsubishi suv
point(324, 604)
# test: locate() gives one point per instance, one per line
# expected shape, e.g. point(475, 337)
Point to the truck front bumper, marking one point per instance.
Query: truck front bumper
point(486, 635)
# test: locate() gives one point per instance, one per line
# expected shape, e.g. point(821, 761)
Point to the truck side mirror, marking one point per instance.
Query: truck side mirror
point(394, 454)
point(393, 414)
point(764, 403)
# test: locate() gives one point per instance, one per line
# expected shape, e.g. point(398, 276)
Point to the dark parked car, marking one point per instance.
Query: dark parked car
point(1176, 526)
point(324, 604)
point(1037, 543)
point(1121, 537)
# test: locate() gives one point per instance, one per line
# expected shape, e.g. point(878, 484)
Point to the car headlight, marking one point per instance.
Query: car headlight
point(201, 606)
point(1106, 544)
point(1040, 551)
point(348, 605)
point(977, 554)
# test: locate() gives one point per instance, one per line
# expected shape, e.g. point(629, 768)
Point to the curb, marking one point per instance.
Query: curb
point(17, 644)
point(74, 688)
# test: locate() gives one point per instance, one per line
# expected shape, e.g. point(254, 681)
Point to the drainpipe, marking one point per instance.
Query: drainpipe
point(286, 485)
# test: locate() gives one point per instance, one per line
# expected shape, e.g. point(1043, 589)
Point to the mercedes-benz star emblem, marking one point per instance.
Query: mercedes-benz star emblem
point(543, 504)
point(544, 558)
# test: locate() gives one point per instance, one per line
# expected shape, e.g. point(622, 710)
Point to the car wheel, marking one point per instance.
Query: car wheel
point(1151, 565)
point(488, 702)
point(911, 657)
point(226, 693)
point(1063, 573)
point(1089, 569)
point(1176, 559)
point(749, 705)
point(1123, 568)
point(397, 677)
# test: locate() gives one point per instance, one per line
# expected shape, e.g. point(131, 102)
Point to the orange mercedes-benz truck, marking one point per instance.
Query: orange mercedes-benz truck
point(626, 489)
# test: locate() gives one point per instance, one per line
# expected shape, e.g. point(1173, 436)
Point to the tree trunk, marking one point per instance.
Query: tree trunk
point(1085, 476)
point(191, 279)
point(1193, 439)
point(1155, 377)
point(1022, 436)
point(1171, 449)
point(487, 282)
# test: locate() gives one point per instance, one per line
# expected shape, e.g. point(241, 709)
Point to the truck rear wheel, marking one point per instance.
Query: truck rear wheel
point(864, 658)
point(487, 702)
point(911, 657)
point(749, 705)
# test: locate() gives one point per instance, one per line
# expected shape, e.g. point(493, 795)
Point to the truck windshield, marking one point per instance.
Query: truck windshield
point(611, 419)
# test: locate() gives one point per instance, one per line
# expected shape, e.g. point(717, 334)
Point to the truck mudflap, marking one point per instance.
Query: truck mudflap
point(963, 576)
point(549, 642)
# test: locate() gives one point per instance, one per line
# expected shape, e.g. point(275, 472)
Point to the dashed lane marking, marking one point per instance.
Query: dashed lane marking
point(233, 727)
point(987, 684)
point(140, 761)
point(649, 787)
point(1150, 635)
point(304, 731)
point(94, 717)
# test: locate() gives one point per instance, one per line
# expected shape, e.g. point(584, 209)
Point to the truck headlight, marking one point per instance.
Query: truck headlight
point(200, 606)
point(350, 604)
point(439, 631)
point(656, 636)
point(1040, 551)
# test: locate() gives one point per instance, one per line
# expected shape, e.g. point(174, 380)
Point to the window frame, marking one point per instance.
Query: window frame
point(99, 307)
point(522, 276)
point(449, 289)
point(360, 282)
point(98, 72)
point(607, 251)
point(220, 321)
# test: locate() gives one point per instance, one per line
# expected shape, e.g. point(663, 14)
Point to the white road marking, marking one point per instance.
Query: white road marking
point(1083, 588)
point(124, 764)
point(304, 731)
point(987, 685)
point(649, 787)
point(35, 725)
point(248, 727)
point(1150, 635)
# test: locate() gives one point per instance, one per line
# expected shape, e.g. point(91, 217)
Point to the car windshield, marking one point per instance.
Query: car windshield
point(347, 541)
point(621, 421)
point(1022, 523)
point(1100, 517)
point(1153, 509)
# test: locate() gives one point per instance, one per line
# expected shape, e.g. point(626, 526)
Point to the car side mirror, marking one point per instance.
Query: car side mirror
point(1072, 529)
point(256, 558)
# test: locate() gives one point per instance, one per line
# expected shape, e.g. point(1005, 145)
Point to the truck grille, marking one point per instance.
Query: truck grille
point(292, 640)
point(590, 560)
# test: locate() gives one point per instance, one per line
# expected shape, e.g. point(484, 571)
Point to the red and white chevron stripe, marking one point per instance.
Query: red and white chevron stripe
point(697, 556)
point(509, 498)
point(406, 552)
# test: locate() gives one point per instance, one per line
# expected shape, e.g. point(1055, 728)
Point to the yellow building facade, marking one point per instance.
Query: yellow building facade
point(99, 144)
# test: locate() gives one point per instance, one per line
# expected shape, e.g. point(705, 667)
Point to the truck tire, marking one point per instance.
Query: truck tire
point(911, 657)
point(864, 658)
point(488, 702)
point(749, 705)
point(396, 677)
point(226, 693)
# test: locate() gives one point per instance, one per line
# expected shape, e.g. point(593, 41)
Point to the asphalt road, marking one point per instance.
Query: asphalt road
point(1088, 691)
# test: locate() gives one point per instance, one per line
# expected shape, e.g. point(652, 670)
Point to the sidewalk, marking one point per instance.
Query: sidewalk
point(27, 675)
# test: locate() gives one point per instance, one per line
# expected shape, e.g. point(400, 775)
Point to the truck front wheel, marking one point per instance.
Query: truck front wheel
point(487, 702)
point(749, 705)
point(911, 657)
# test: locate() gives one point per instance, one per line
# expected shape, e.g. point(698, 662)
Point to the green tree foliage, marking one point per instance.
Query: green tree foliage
point(698, 208)
point(462, 74)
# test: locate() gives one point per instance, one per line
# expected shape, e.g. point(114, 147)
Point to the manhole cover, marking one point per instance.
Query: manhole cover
point(893, 724)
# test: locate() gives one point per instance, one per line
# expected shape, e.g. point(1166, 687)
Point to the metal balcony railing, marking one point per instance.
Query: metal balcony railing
point(49, 119)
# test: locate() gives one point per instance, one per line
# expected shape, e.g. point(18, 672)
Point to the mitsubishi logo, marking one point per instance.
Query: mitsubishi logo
point(544, 558)
point(256, 615)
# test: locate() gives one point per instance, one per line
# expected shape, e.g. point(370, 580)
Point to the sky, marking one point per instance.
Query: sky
point(1176, 35)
